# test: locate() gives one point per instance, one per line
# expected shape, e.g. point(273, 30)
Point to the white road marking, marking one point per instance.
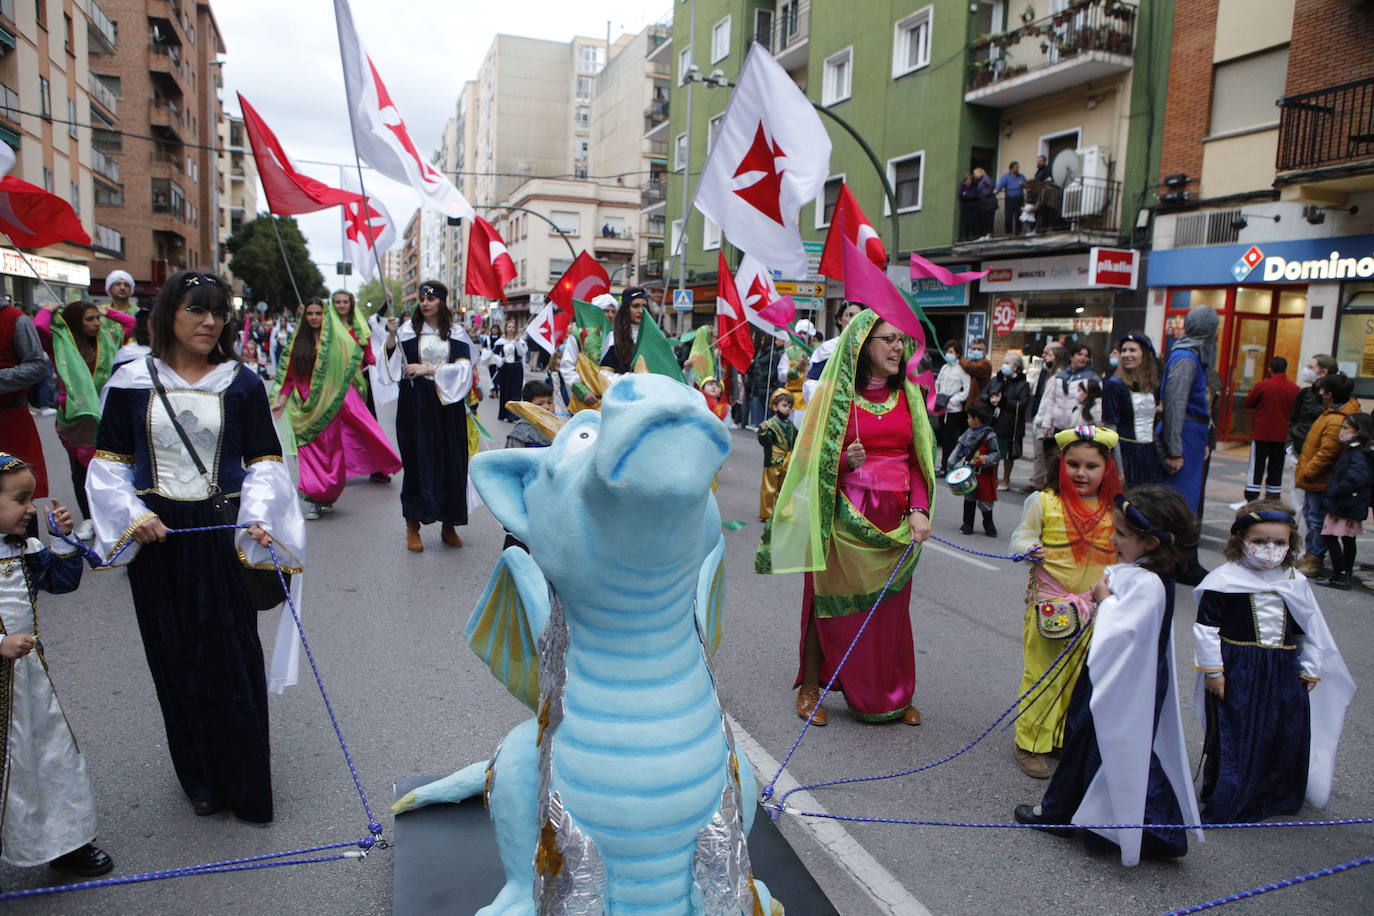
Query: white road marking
point(886, 892)
point(941, 548)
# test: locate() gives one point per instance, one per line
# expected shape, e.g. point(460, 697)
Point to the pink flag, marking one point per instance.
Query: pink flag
point(780, 311)
point(864, 282)
point(921, 269)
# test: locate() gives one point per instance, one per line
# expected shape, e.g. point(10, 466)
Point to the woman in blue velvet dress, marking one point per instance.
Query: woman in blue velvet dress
point(200, 633)
point(1129, 400)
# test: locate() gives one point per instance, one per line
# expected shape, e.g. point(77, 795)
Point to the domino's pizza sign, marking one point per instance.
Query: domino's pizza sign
point(1247, 262)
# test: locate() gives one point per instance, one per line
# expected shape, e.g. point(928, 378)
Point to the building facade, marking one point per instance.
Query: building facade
point(236, 184)
point(1266, 209)
point(167, 208)
point(409, 271)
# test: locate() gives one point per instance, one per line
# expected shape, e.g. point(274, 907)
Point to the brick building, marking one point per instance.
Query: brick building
point(1266, 208)
point(410, 263)
point(167, 81)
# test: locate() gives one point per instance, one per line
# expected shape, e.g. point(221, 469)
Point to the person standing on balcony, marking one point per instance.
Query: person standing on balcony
point(987, 202)
point(1012, 187)
point(1042, 170)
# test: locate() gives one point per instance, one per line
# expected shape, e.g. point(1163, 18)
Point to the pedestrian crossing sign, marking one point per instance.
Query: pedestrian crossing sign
point(682, 300)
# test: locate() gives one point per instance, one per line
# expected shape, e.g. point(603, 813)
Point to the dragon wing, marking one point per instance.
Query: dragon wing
point(504, 629)
point(710, 604)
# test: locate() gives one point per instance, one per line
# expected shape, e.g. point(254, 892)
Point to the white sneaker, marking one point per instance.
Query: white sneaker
point(47, 412)
point(85, 531)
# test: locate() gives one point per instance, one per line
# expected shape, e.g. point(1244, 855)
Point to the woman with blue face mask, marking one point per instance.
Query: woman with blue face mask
point(952, 392)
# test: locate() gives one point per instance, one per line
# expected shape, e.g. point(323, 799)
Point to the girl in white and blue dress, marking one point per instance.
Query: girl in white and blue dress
point(47, 811)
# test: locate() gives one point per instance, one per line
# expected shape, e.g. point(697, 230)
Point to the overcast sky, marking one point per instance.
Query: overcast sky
point(283, 55)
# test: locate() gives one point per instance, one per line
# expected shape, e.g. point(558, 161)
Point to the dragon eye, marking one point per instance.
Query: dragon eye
point(584, 440)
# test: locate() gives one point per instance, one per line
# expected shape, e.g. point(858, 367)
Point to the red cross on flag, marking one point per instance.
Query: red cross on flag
point(763, 307)
point(369, 230)
point(771, 156)
point(382, 139)
point(490, 266)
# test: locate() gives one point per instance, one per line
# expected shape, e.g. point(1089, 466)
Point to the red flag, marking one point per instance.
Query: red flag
point(32, 217)
point(585, 280)
point(288, 191)
point(490, 266)
point(548, 328)
point(849, 222)
point(732, 328)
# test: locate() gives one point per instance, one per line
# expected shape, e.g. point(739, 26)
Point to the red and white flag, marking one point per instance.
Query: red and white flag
point(490, 266)
point(548, 327)
point(848, 221)
point(770, 157)
point(288, 191)
point(732, 326)
point(369, 230)
point(382, 139)
point(32, 217)
point(763, 307)
point(584, 280)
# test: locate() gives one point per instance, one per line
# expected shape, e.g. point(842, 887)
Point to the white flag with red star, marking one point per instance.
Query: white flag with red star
point(380, 135)
point(548, 328)
point(771, 156)
point(367, 235)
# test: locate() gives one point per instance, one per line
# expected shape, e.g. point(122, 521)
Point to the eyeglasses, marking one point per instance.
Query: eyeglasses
point(200, 311)
point(888, 339)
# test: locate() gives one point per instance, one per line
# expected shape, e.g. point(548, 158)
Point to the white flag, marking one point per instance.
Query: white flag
point(366, 236)
point(544, 328)
point(381, 137)
point(755, 284)
point(771, 156)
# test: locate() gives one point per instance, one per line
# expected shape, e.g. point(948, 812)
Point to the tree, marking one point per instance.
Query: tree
point(257, 261)
point(370, 297)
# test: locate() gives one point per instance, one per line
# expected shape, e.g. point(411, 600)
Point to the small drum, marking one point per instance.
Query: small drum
point(962, 480)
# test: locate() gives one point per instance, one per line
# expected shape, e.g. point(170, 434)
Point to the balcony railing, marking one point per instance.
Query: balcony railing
point(101, 29)
point(1327, 127)
point(655, 192)
point(791, 26)
point(108, 240)
point(658, 148)
point(1082, 205)
point(657, 111)
point(172, 53)
point(1081, 28)
point(9, 103)
point(164, 113)
point(102, 94)
point(104, 165)
point(651, 270)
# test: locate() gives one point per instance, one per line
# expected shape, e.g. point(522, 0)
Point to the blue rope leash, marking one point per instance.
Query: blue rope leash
point(1275, 886)
point(915, 822)
point(1014, 557)
point(782, 803)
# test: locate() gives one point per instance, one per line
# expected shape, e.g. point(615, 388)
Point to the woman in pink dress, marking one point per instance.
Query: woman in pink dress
point(336, 437)
point(856, 496)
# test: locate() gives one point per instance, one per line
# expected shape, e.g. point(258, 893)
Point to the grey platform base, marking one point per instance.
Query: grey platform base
point(446, 862)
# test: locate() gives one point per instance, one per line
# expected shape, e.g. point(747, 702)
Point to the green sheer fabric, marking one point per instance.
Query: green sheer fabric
point(79, 416)
point(337, 358)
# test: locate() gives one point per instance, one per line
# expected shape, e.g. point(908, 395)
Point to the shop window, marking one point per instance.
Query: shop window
point(1354, 349)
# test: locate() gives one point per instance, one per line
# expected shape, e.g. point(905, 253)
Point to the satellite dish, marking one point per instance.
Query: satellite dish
point(1065, 167)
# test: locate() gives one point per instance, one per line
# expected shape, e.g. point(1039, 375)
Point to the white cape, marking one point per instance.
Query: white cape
point(1328, 700)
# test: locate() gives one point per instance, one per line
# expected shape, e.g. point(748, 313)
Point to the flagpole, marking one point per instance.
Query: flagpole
point(51, 292)
point(300, 303)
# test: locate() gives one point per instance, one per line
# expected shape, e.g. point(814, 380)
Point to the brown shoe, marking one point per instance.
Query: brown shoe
point(413, 542)
point(1033, 765)
point(912, 716)
point(808, 700)
point(450, 536)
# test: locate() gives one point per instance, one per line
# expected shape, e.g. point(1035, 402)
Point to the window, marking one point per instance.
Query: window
point(567, 221)
point(71, 118)
point(40, 12)
point(104, 197)
point(1244, 90)
point(763, 28)
point(684, 63)
point(583, 148)
point(44, 97)
point(836, 80)
point(67, 25)
point(613, 227)
point(680, 153)
point(710, 236)
point(676, 238)
point(584, 117)
point(557, 268)
point(712, 130)
point(911, 42)
point(825, 204)
point(720, 40)
point(789, 24)
point(76, 198)
point(1353, 329)
point(591, 59)
point(580, 172)
point(905, 175)
point(48, 180)
point(584, 88)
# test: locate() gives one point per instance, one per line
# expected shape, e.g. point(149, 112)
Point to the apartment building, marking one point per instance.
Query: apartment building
point(236, 184)
point(49, 100)
point(1266, 208)
point(166, 80)
point(409, 266)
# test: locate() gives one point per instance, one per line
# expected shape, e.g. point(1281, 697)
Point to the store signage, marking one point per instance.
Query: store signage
point(1327, 260)
point(975, 328)
point(796, 288)
point(48, 268)
point(1029, 274)
point(1113, 267)
point(931, 293)
point(1004, 316)
point(1101, 324)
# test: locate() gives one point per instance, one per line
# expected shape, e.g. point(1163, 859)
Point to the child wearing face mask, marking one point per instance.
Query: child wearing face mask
point(1271, 687)
point(1347, 498)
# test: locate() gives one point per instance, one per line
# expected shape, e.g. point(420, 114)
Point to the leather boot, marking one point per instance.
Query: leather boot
point(808, 700)
point(969, 508)
point(450, 536)
point(988, 527)
point(413, 542)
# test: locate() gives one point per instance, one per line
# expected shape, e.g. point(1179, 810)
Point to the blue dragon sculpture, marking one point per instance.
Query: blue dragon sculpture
point(625, 793)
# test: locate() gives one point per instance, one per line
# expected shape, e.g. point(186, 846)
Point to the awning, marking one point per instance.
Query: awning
point(7, 38)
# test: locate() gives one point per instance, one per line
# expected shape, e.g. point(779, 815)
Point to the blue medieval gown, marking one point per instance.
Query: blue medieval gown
point(509, 375)
point(199, 633)
point(1196, 429)
point(1132, 415)
point(432, 424)
point(1124, 761)
point(45, 795)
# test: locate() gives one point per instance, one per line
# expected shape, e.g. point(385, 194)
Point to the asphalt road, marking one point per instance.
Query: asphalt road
point(386, 625)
